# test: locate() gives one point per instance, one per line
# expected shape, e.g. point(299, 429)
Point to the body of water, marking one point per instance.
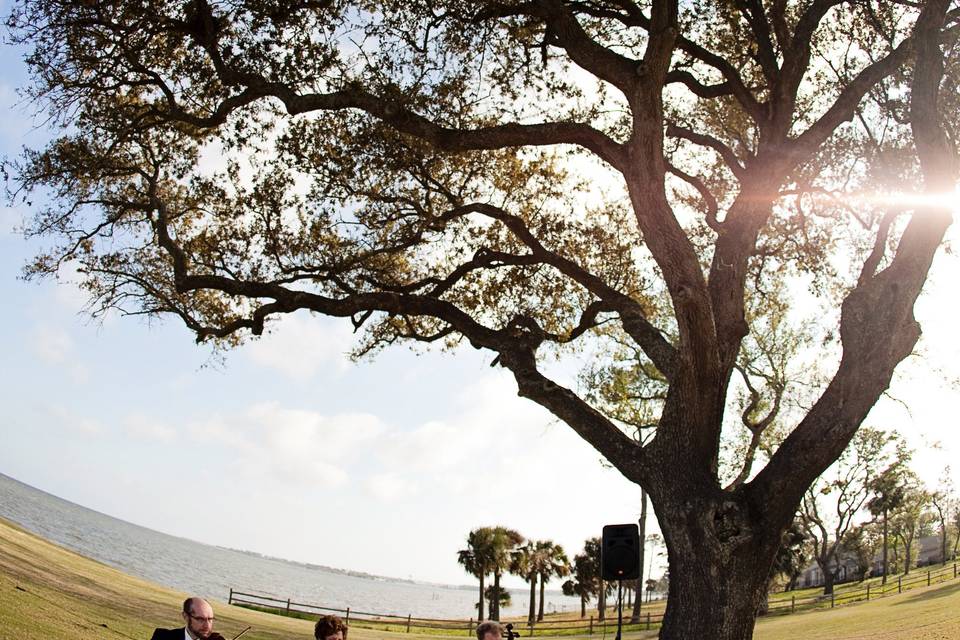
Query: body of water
point(210, 571)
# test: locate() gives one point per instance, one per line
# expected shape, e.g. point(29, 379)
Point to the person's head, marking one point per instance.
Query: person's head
point(489, 630)
point(330, 628)
point(198, 618)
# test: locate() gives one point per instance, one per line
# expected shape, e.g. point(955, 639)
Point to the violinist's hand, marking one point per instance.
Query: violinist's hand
point(215, 636)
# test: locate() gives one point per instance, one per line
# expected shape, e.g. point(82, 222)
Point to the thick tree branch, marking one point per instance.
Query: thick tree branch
point(766, 55)
point(877, 326)
point(844, 107)
point(660, 351)
point(725, 152)
point(628, 456)
point(709, 200)
point(687, 79)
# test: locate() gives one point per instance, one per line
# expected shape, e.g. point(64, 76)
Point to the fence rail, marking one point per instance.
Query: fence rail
point(648, 620)
point(856, 593)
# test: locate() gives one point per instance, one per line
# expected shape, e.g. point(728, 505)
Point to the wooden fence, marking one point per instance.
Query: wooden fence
point(857, 592)
point(648, 620)
point(410, 623)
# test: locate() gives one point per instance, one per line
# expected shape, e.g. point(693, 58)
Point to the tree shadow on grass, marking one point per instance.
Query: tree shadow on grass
point(930, 594)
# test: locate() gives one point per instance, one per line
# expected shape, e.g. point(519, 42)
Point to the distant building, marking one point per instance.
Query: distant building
point(928, 552)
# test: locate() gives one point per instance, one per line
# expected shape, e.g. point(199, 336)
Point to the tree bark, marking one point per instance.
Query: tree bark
point(543, 584)
point(638, 600)
point(907, 547)
point(885, 548)
point(720, 555)
point(495, 603)
point(602, 601)
point(719, 588)
point(829, 578)
point(533, 598)
point(480, 603)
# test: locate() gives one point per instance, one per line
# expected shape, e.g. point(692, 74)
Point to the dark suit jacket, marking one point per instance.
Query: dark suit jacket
point(167, 634)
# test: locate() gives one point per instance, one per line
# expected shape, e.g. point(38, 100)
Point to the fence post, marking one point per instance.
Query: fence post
point(230, 597)
point(831, 599)
point(793, 603)
point(928, 577)
point(288, 606)
point(347, 619)
point(900, 584)
point(408, 623)
point(648, 621)
point(954, 571)
point(868, 592)
point(470, 627)
point(590, 632)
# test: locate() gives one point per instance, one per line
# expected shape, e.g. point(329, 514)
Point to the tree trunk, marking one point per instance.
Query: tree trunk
point(602, 602)
point(638, 599)
point(480, 604)
point(828, 579)
point(943, 543)
point(720, 554)
point(533, 597)
point(714, 590)
point(543, 584)
point(884, 579)
point(583, 607)
point(495, 605)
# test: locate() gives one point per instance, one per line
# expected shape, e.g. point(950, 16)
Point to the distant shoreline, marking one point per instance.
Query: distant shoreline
point(146, 552)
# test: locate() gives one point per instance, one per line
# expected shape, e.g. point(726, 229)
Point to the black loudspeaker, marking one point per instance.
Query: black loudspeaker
point(620, 552)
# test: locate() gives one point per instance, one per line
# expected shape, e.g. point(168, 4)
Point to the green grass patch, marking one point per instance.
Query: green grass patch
point(50, 593)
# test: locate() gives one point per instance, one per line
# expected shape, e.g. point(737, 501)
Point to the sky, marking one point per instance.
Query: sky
point(289, 449)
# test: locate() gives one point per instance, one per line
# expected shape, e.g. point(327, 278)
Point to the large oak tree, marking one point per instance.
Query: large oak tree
point(526, 176)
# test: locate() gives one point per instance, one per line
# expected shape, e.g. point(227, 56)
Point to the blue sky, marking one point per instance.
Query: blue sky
point(288, 449)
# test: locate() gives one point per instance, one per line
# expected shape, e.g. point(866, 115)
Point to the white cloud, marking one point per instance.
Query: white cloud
point(292, 446)
point(147, 428)
point(494, 442)
point(300, 345)
point(52, 344)
point(87, 427)
point(10, 220)
point(390, 486)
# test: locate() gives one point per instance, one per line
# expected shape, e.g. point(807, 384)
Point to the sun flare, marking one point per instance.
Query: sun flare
point(906, 200)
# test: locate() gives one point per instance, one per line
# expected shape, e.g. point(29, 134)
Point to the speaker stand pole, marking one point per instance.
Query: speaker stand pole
point(619, 608)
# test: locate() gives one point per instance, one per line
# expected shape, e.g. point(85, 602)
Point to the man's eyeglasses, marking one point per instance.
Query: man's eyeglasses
point(201, 619)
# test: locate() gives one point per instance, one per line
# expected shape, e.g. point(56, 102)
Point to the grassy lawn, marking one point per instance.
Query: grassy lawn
point(49, 593)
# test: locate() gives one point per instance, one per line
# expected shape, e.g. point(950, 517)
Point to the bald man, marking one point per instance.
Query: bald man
point(198, 623)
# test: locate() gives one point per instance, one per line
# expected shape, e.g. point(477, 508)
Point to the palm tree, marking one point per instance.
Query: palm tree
point(576, 588)
point(498, 595)
point(478, 558)
point(592, 559)
point(504, 541)
point(525, 562)
point(583, 582)
point(551, 561)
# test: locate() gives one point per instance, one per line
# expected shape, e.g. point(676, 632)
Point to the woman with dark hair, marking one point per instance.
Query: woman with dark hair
point(330, 628)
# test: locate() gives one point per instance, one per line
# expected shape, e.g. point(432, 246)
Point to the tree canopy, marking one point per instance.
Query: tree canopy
point(534, 178)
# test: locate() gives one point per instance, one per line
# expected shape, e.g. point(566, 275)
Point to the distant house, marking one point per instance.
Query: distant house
point(928, 553)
